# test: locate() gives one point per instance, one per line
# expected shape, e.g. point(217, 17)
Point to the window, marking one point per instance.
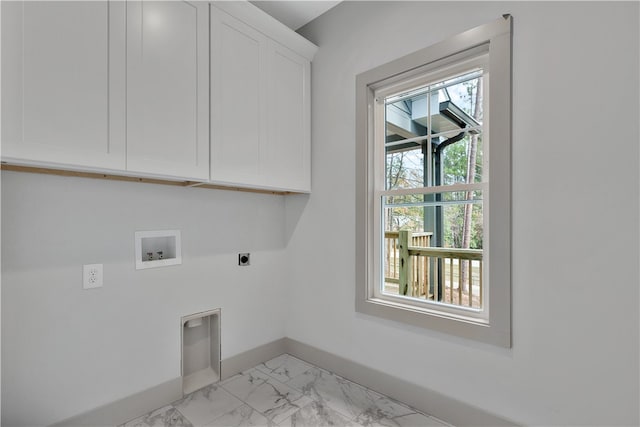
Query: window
point(433, 186)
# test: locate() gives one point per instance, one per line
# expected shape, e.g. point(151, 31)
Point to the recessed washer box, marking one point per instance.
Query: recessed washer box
point(157, 248)
point(200, 350)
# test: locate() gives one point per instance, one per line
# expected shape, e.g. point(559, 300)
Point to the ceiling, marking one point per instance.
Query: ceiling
point(294, 13)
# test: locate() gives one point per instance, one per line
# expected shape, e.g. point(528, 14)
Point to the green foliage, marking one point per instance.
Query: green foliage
point(453, 222)
point(454, 161)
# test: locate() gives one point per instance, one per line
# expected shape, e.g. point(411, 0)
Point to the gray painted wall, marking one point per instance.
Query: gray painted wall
point(66, 350)
point(575, 356)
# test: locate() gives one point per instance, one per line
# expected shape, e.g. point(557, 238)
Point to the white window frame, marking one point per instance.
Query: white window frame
point(492, 324)
point(473, 59)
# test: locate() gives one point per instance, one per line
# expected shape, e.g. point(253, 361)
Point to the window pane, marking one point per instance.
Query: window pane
point(406, 115)
point(456, 157)
point(462, 226)
point(434, 132)
point(467, 96)
point(404, 169)
point(432, 248)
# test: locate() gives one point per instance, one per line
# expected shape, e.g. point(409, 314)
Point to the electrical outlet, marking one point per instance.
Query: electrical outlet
point(91, 276)
point(244, 259)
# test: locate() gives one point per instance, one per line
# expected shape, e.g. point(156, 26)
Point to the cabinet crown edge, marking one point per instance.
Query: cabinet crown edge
point(268, 25)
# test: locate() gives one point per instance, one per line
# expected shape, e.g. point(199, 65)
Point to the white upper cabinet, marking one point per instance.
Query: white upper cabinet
point(123, 87)
point(287, 159)
point(63, 83)
point(239, 99)
point(260, 111)
point(168, 88)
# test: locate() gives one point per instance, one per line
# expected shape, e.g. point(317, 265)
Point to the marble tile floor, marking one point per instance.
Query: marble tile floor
point(285, 391)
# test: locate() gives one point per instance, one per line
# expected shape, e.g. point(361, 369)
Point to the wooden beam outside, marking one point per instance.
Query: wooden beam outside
point(405, 262)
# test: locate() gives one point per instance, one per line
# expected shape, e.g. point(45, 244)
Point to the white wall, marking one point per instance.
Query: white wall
point(575, 354)
point(66, 350)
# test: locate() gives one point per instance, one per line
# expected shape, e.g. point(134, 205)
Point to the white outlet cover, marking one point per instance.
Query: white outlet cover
point(91, 276)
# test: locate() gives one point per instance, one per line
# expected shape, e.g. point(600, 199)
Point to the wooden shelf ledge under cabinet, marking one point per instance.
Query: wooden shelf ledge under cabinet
point(96, 175)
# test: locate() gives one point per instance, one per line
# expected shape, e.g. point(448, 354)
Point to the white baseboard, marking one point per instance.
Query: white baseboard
point(250, 358)
point(138, 404)
point(130, 407)
point(429, 401)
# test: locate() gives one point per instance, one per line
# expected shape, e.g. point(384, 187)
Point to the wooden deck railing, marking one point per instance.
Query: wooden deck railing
point(392, 264)
point(419, 270)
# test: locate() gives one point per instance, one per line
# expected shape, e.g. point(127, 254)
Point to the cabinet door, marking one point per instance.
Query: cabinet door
point(286, 162)
point(168, 88)
point(63, 83)
point(238, 100)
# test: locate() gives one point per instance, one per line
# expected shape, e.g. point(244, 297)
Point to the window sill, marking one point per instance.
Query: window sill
point(462, 326)
point(436, 310)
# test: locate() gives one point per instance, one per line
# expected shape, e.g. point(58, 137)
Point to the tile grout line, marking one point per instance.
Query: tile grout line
point(244, 403)
point(255, 368)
